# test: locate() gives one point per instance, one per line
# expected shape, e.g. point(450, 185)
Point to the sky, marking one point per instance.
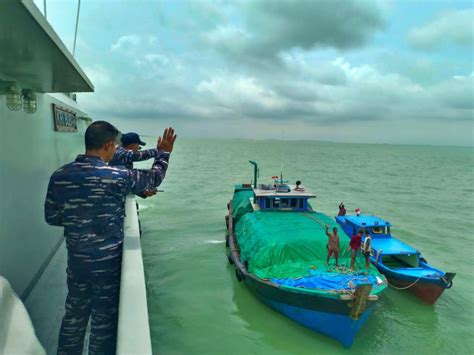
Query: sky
point(346, 71)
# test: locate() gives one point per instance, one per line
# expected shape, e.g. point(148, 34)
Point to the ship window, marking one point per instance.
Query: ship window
point(276, 202)
point(267, 203)
point(294, 202)
point(301, 203)
point(378, 230)
point(284, 203)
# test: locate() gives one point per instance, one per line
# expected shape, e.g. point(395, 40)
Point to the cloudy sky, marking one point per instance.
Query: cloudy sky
point(346, 71)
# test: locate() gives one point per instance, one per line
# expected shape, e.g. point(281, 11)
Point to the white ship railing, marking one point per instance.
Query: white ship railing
point(133, 328)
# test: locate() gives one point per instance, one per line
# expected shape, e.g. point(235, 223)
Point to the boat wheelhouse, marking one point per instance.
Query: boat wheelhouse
point(403, 265)
point(279, 195)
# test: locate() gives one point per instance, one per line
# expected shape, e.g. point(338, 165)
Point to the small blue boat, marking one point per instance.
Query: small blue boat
point(403, 265)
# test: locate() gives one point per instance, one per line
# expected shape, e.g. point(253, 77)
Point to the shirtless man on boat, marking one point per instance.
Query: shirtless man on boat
point(333, 245)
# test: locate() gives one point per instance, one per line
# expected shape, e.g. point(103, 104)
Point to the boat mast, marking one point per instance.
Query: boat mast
point(255, 172)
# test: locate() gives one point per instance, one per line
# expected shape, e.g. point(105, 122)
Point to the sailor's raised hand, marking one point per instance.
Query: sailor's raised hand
point(166, 143)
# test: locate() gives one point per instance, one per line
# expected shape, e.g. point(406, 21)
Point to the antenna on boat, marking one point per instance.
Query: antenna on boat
point(255, 172)
point(281, 155)
point(77, 24)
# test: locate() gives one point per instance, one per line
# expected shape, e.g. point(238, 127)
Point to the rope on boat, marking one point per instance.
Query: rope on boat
point(406, 287)
point(314, 219)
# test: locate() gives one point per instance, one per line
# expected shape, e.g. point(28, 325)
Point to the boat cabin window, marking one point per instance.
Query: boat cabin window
point(281, 203)
point(268, 203)
point(400, 261)
point(276, 202)
point(378, 230)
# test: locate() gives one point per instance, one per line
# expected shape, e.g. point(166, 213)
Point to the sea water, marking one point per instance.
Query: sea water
point(196, 305)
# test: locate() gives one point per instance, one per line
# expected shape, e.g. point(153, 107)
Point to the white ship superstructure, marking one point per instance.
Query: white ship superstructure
point(41, 128)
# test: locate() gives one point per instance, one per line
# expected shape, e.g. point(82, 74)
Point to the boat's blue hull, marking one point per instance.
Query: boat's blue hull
point(337, 326)
point(425, 288)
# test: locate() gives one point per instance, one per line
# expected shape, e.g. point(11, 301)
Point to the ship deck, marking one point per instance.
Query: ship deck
point(45, 303)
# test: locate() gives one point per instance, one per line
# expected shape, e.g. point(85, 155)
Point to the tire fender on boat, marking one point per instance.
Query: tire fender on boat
point(448, 279)
point(238, 275)
point(229, 258)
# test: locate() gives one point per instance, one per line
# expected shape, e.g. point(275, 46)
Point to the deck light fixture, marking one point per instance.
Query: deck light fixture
point(29, 101)
point(14, 101)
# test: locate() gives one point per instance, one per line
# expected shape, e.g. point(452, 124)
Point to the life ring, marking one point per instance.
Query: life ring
point(449, 284)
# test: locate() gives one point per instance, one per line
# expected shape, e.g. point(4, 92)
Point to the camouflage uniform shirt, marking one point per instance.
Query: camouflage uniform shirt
point(124, 157)
point(86, 198)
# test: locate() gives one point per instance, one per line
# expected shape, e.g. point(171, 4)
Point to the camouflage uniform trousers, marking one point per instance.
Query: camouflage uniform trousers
point(94, 289)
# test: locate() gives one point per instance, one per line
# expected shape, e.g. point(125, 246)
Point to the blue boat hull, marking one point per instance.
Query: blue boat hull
point(327, 315)
point(340, 327)
point(427, 289)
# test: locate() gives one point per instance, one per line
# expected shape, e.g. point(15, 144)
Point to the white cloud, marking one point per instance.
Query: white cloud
point(240, 93)
point(317, 70)
point(457, 93)
point(125, 43)
point(99, 75)
point(157, 58)
point(449, 27)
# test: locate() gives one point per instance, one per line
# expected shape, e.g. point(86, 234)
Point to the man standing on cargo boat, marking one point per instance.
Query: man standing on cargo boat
point(354, 246)
point(333, 245)
point(85, 197)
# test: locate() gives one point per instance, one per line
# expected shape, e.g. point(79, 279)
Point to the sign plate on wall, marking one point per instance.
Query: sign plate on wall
point(64, 120)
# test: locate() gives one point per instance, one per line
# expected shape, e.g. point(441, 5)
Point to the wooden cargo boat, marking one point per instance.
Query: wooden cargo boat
point(277, 244)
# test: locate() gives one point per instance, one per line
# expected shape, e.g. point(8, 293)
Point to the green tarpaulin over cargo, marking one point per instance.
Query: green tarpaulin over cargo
point(281, 244)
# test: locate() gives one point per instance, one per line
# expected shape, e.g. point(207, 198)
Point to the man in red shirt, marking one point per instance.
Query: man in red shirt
point(342, 209)
point(354, 246)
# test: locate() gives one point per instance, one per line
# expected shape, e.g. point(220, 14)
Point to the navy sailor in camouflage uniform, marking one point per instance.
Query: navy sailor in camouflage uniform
point(85, 197)
point(129, 152)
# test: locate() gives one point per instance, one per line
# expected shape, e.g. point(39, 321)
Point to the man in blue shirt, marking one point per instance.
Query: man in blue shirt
point(129, 151)
point(85, 197)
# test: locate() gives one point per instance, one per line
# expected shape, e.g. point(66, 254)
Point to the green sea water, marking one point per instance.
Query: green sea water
point(196, 305)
